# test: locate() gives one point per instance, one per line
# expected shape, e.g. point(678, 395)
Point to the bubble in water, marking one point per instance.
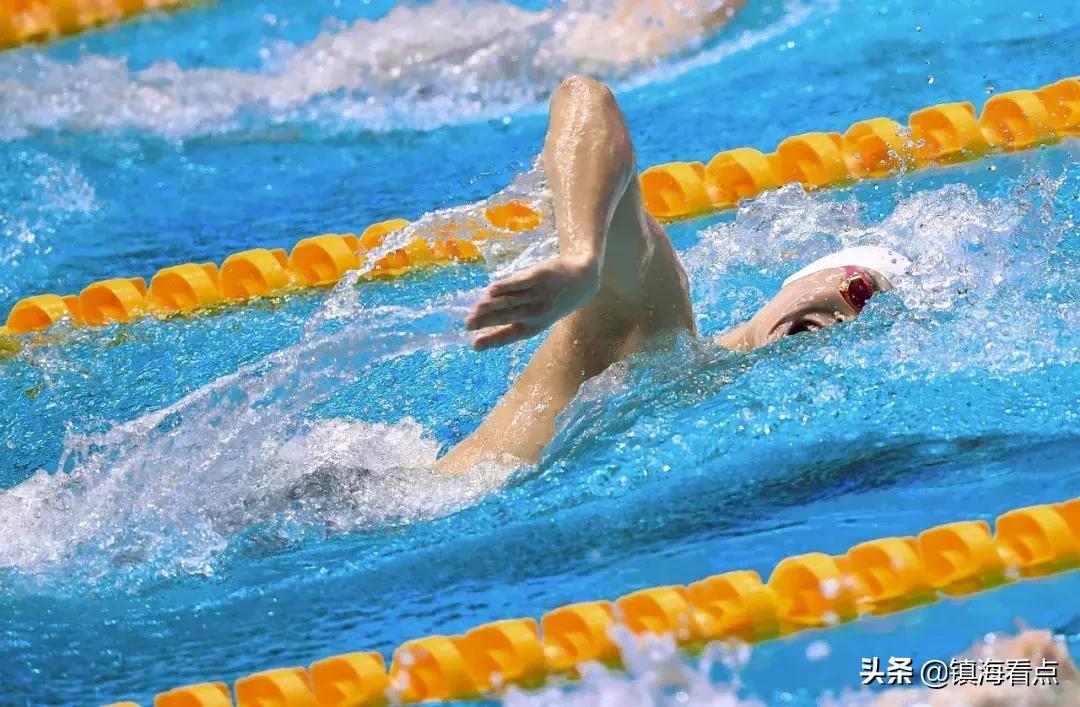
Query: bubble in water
point(818, 650)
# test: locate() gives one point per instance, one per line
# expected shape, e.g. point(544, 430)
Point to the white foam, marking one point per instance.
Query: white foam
point(164, 493)
point(148, 514)
point(978, 304)
point(963, 247)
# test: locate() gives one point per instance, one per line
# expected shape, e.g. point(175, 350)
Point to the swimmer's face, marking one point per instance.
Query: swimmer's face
point(814, 302)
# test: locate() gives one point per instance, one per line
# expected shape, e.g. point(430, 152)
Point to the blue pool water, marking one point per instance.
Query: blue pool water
point(162, 525)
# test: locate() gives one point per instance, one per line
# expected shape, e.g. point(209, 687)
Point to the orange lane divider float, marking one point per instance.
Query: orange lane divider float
point(948, 132)
point(869, 149)
point(314, 262)
point(874, 148)
point(809, 591)
point(26, 21)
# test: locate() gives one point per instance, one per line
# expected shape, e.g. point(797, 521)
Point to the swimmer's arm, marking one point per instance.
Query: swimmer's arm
point(589, 161)
point(734, 339)
point(685, 17)
point(636, 31)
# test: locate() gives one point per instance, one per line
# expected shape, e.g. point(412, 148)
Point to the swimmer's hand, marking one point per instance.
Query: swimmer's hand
point(528, 302)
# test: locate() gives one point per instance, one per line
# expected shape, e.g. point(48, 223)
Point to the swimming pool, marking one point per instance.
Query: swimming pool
point(200, 543)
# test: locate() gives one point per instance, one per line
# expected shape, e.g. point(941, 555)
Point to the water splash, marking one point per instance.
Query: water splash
point(404, 70)
point(152, 497)
point(657, 674)
point(985, 314)
point(163, 494)
point(166, 494)
point(39, 195)
point(964, 247)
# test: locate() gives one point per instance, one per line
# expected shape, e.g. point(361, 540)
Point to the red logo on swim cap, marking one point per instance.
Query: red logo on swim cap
point(857, 287)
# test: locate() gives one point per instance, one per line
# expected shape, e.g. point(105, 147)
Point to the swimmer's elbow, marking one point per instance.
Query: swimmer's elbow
point(589, 94)
point(581, 86)
point(584, 103)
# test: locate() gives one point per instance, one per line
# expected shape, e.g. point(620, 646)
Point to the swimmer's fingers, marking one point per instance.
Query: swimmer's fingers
point(518, 283)
point(494, 337)
point(497, 304)
point(482, 318)
point(520, 297)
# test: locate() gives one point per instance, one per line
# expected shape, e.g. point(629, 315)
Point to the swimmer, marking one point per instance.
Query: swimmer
point(626, 33)
point(408, 49)
point(617, 282)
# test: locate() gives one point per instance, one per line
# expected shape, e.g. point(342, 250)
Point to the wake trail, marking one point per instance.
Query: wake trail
point(420, 67)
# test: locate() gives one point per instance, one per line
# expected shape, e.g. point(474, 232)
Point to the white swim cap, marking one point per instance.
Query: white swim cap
point(882, 260)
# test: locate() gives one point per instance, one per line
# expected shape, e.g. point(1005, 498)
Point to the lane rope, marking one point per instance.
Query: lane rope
point(870, 149)
point(804, 592)
point(34, 21)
